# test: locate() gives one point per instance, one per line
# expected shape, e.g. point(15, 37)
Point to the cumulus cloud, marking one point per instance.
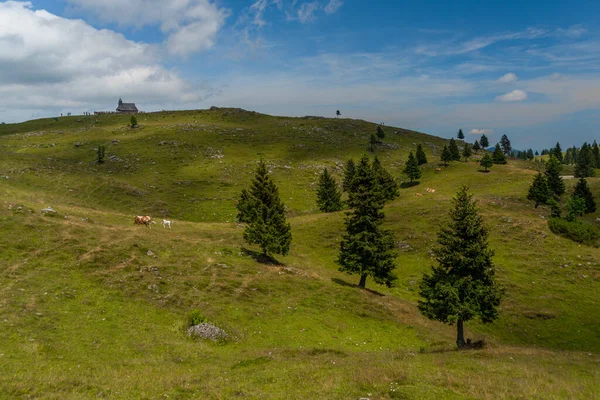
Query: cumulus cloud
point(515, 95)
point(508, 78)
point(191, 25)
point(52, 63)
point(306, 12)
point(481, 132)
point(333, 6)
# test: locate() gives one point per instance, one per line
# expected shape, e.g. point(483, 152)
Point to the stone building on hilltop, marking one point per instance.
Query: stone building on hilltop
point(127, 108)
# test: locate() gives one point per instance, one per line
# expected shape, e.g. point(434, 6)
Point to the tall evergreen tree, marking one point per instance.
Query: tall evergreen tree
point(568, 160)
point(538, 191)
point(421, 157)
point(484, 142)
point(446, 156)
point(505, 143)
point(555, 182)
point(530, 155)
point(596, 152)
point(412, 168)
point(585, 162)
point(463, 286)
point(372, 143)
point(537, 153)
point(486, 161)
point(583, 191)
point(498, 156)
point(557, 151)
point(349, 172)
point(386, 181)
point(460, 135)
point(380, 132)
point(575, 154)
point(265, 215)
point(329, 197)
point(453, 147)
point(476, 146)
point(467, 152)
point(366, 248)
point(575, 207)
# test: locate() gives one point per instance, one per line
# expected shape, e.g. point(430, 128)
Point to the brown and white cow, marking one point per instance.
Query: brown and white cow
point(143, 220)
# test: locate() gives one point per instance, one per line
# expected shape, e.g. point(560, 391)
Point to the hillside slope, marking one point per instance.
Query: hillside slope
point(92, 306)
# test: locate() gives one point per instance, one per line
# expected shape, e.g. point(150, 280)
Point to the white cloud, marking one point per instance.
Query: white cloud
point(333, 6)
point(306, 12)
point(52, 63)
point(481, 132)
point(515, 95)
point(191, 25)
point(508, 78)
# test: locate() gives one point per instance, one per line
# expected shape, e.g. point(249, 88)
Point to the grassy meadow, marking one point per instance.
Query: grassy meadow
point(92, 306)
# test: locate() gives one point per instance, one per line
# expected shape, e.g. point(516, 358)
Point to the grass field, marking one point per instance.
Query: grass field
point(86, 311)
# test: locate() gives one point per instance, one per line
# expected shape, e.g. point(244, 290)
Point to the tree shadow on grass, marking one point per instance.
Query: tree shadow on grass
point(406, 185)
point(484, 172)
point(344, 283)
point(261, 258)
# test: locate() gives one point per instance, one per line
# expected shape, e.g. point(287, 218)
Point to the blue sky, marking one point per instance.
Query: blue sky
point(530, 69)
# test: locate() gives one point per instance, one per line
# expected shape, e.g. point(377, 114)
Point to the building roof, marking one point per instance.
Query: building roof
point(127, 107)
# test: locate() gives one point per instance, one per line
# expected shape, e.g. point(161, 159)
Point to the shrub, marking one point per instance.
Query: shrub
point(195, 318)
point(133, 121)
point(577, 231)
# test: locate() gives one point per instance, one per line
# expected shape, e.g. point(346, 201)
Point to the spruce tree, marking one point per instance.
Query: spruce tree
point(349, 172)
point(538, 191)
point(412, 168)
point(463, 286)
point(484, 142)
point(380, 133)
point(530, 155)
point(555, 182)
point(486, 162)
point(366, 248)
point(453, 147)
point(476, 146)
point(460, 135)
point(575, 207)
point(537, 153)
point(245, 207)
point(421, 157)
point(557, 152)
point(467, 152)
point(386, 181)
point(596, 152)
point(372, 143)
point(506, 147)
point(568, 160)
point(583, 191)
point(329, 197)
point(585, 162)
point(446, 156)
point(265, 215)
point(498, 156)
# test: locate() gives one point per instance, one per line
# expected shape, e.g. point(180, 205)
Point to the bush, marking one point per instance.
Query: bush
point(195, 318)
point(577, 231)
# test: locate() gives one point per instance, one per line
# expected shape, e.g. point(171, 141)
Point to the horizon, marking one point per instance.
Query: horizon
point(500, 68)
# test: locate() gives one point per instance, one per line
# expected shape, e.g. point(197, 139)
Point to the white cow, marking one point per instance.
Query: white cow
point(166, 223)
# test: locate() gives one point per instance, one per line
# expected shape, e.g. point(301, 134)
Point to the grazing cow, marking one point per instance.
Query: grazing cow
point(166, 224)
point(143, 220)
point(418, 195)
point(438, 170)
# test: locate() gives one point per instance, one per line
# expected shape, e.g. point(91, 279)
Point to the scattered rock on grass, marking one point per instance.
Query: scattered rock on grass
point(207, 331)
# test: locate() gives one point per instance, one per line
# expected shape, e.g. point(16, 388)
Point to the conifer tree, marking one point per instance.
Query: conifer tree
point(506, 147)
point(583, 191)
point(380, 132)
point(372, 143)
point(467, 152)
point(421, 157)
point(476, 146)
point(265, 215)
point(575, 207)
point(568, 160)
point(453, 147)
point(349, 172)
point(486, 162)
point(484, 142)
point(498, 156)
point(557, 152)
point(412, 168)
point(555, 210)
point(530, 155)
point(386, 181)
point(596, 152)
point(555, 182)
point(329, 197)
point(366, 248)
point(538, 191)
point(460, 135)
point(585, 162)
point(463, 286)
point(537, 153)
point(446, 156)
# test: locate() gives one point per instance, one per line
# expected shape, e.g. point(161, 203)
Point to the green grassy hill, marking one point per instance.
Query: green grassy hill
point(93, 306)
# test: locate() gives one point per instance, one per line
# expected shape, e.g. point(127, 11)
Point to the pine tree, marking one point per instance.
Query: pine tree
point(265, 215)
point(373, 142)
point(555, 210)
point(596, 153)
point(538, 191)
point(568, 160)
point(498, 156)
point(367, 249)
point(421, 157)
point(446, 156)
point(453, 147)
point(557, 152)
point(412, 168)
point(476, 146)
point(575, 208)
point(245, 207)
point(583, 191)
point(530, 155)
point(349, 172)
point(460, 135)
point(555, 182)
point(329, 197)
point(380, 133)
point(463, 286)
point(484, 142)
point(486, 162)
point(537, 153)
point(585, 162)
point(386, 181)
point(467, 152)
point(506, 147)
